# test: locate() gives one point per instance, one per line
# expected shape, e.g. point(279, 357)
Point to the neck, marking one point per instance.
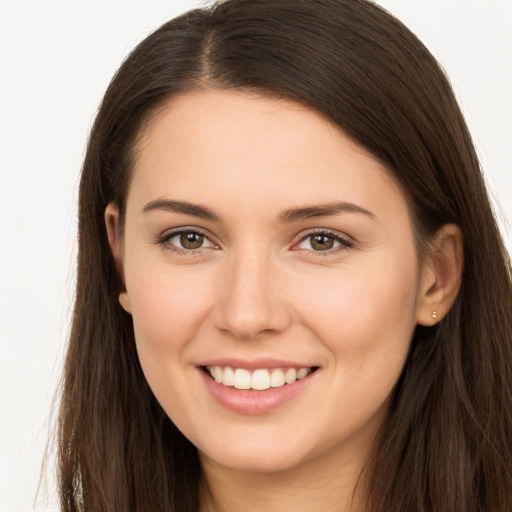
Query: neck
point(311, 486)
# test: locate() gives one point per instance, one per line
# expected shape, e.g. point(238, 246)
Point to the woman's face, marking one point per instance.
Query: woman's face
point(263, 246)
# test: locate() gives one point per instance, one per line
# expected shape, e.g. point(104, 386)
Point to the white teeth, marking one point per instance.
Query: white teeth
point(290, 376)
point(277, 378)
point(260, 379)
point(242, 379)
point(228, 378)
point(302, 373)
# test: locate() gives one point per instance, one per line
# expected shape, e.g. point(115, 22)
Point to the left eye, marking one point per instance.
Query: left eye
point(321, 242)
point(189, 240)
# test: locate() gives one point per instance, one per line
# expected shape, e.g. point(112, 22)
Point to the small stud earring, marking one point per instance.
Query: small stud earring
point(434, 314)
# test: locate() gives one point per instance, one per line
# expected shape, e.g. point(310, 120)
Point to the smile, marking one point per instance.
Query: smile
point(259, 379)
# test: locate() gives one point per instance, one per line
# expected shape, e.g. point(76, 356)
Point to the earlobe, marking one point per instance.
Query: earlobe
point(115, 243)
point(441, 275)
point(124, 300)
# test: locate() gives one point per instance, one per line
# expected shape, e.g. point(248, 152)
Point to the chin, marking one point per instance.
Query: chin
point(265, 455)
point(262, 462)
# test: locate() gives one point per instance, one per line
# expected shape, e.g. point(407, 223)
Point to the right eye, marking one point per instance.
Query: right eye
point(185, 241)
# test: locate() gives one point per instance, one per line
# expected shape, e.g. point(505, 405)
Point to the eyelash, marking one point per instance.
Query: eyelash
point(164, 241)
point(344, 242)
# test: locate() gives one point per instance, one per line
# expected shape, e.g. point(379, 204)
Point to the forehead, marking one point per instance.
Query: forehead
point(212, 145)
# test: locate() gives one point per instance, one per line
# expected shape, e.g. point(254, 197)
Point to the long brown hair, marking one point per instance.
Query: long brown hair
point(447, 444)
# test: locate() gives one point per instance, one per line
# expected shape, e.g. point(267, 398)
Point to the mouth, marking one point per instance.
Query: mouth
point(259, 379)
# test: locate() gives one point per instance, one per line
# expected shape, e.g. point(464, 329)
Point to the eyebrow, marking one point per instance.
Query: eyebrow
point(285, 217)
point(182, 207)
point(322, 210)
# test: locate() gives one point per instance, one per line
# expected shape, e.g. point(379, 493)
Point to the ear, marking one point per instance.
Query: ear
point(116, 247)
point(441, 275)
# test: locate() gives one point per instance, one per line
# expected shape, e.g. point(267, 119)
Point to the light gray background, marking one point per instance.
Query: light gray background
point(56, 58)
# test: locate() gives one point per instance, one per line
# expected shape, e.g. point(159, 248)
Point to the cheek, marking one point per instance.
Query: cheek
point(366, 322)
point(358, 301)
point(168, 308)
point(366, 319)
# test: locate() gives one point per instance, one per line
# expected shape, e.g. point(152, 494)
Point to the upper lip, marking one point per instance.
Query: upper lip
point(254, 364)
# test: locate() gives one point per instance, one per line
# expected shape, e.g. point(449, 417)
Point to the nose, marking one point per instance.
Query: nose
point(251, 299)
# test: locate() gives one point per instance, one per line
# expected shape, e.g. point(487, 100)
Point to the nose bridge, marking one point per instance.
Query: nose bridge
point(251, 299)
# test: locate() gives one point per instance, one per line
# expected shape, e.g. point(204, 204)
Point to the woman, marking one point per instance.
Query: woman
point(292, 292)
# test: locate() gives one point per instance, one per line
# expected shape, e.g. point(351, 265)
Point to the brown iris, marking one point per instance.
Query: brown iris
point(322, 242)
point(191, 240)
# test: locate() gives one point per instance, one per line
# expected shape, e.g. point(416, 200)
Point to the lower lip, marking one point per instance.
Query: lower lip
point(255, 402)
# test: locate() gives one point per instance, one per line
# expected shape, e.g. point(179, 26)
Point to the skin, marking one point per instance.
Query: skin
point(258, 288)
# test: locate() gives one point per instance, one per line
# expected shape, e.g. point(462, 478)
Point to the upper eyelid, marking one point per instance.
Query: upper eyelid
point(170, 233)
point(324, 231)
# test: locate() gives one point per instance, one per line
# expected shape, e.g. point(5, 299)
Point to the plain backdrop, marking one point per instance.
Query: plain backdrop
point(56, 58)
